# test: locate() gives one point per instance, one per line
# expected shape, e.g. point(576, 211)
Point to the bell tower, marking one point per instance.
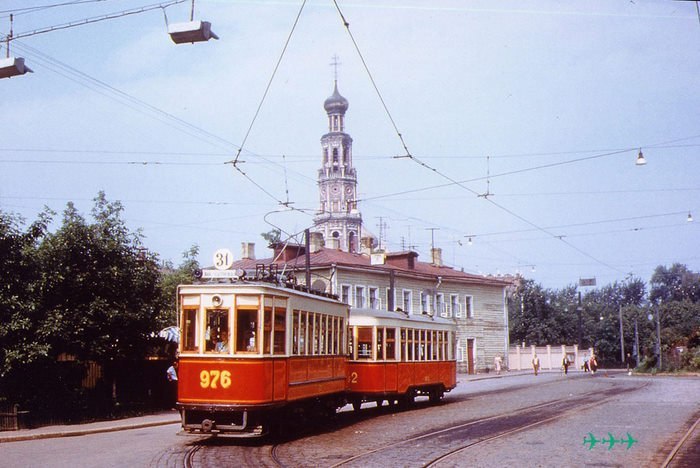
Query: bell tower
point(338, 219)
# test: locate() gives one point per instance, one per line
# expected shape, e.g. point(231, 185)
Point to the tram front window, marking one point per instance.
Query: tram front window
point(189, 335)
point(216, 333)
point(246, 327)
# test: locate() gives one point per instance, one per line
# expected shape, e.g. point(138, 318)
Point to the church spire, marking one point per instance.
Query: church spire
point(338, 220)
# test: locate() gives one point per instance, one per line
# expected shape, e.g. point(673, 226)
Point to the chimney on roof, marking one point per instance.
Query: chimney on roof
point(366, 245)
point(248, 250)
point(436, 256)
point(315, 242)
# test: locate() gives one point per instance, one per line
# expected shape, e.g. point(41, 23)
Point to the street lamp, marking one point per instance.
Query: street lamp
point(640, 159)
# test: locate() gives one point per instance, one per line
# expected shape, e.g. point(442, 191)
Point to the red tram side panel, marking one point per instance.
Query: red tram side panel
point(396, 357)
point(251, 351)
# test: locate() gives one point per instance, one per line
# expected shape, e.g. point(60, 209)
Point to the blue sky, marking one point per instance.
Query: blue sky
point(553, 100)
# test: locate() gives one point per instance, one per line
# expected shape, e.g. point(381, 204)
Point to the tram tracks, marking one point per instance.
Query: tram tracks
point(451, 441)
point(681, 445)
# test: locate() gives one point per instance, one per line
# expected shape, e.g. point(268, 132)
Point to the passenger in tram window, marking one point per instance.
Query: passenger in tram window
point(222, 344)
point(249, 339)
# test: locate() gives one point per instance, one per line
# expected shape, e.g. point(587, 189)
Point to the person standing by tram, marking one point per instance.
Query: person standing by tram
point(171, 375)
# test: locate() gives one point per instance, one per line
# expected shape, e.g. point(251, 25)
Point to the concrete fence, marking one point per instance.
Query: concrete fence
point(551, 357)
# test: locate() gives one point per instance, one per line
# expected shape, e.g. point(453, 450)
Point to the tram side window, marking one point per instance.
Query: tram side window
point(267, 330)
point(321, 333)
point(216, 335)
point(296, 316)
point(364, 342)
point(329, 334)
point(436, 344)
point(390, 343)
point(246, 330)
point(421, 345)
point(380, 343)
point(280, 338)
point(189, 325)
point(304, 345)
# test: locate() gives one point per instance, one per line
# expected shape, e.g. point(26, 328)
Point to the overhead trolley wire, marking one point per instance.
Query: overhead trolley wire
point(371, 78)
point(453, 181)
point(269, 83)
point(27, 10)
point(96, 19)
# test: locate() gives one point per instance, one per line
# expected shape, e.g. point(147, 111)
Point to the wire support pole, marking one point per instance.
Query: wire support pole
point(97, 19)
point(371, 78)
point(269, 84)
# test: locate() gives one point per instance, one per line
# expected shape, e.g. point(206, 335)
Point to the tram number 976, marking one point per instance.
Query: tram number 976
point(214, 379)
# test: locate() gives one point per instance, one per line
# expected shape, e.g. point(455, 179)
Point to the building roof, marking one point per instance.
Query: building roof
point(402, 263)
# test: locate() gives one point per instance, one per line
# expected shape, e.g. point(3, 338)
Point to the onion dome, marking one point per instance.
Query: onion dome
point(336, 104)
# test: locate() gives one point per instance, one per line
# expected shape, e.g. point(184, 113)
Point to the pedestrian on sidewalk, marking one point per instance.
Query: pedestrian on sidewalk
point(593, 364)
point(497, 361)
point(565, 363)
point(536, 364)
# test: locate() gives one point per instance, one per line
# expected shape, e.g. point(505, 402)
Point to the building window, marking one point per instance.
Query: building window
point(454, 306)
point(407, 301)
point(440, 305)
point(468, 306)
point(423, 302)
point(374, 298)
point(345, 294)
point(359, 297)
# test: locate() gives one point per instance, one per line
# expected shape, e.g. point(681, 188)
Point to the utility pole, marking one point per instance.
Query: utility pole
point(622, 338)
point(580, 326)
point(636, 341)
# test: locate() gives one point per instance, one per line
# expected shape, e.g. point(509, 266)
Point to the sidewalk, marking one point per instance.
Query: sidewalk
point(47, 432)
point(173, 417)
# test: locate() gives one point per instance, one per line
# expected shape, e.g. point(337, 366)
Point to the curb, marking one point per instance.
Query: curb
point(81, 432)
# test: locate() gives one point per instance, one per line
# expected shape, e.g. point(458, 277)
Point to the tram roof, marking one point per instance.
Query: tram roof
point(358, 315)
point(250, 286)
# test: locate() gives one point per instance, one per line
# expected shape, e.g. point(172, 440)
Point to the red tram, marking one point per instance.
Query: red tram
point(396, 357)
point(253, 354)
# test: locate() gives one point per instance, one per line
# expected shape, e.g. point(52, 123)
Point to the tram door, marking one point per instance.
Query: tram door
point(470, 356)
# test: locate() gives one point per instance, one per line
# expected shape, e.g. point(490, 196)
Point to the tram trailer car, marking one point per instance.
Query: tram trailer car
point(254, 354)
point(395, 357)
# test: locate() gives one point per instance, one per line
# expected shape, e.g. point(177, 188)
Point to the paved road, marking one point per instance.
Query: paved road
point(655, 411)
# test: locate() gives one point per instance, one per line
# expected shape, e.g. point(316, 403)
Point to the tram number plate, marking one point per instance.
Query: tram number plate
point(215, 379)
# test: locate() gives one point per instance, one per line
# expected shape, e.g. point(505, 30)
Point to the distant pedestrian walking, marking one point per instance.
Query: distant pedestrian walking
point(585, 364)
point(497, 361)
point(536, 364)
point(630, 364)
point(565, 364)
point(171, 375)
point(593, 363)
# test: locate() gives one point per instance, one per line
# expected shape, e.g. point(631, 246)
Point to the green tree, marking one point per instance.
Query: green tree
point(674, 283)
point(19, 312)
point(172, 277)
point(100, 290)
point(273, 236)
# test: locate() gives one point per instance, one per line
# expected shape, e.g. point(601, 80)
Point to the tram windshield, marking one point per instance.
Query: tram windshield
point(217, 331)
point(246, 326)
